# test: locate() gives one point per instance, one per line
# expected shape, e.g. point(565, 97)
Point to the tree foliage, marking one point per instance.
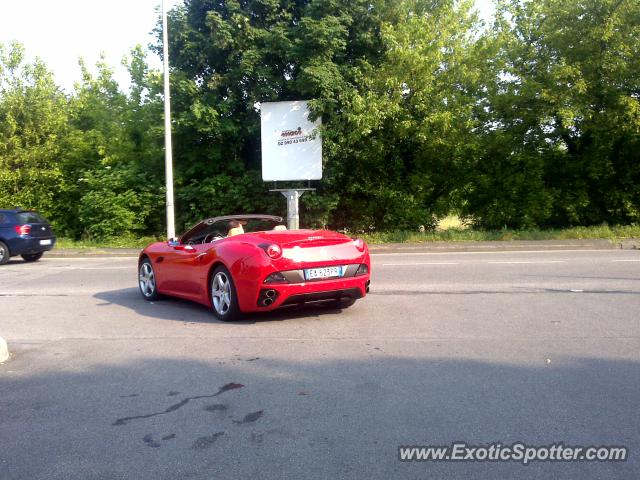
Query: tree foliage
point(531, 121)
point(33, 120)
point(563, 116)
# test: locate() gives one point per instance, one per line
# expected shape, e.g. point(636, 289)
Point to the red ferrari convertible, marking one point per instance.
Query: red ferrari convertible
point(252, 263)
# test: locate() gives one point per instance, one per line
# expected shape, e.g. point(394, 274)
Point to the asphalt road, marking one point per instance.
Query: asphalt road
point(538, 347)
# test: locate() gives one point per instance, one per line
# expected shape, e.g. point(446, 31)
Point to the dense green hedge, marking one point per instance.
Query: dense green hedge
point(533, 121)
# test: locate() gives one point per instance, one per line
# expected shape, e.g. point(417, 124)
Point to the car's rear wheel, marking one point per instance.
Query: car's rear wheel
point(4, 253)
point(147, 281)
point(224, 300)
point(32, 257)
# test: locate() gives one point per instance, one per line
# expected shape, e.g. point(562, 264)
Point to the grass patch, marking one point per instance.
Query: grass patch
point(470, 235)
point(452, 234)
point(115, 242)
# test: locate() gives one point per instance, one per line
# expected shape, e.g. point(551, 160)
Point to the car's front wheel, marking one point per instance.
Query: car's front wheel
point(32, 257)
point(147, 281)
point(224, 299)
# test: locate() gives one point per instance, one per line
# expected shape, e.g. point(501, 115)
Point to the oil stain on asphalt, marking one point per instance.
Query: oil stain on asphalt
point(250, 417)
point(176, 406)
point(216, 407)
point(206, 442)
point(149, 441)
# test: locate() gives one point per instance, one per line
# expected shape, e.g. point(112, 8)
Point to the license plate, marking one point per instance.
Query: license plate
point(45, 242)
point(324, 272)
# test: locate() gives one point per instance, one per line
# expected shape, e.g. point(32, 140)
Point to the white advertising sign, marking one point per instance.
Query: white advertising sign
point(291, 144)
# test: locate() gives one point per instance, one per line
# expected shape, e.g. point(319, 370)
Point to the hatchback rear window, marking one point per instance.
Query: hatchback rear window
point(30, 217)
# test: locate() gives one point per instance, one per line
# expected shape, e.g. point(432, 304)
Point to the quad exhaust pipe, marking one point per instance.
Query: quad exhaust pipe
point(268, 297)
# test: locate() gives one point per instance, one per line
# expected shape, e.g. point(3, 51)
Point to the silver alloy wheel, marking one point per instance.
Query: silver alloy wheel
point(3, 252)
point(147, 279)
point(221, 293)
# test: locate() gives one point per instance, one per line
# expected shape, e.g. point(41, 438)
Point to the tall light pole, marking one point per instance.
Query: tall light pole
point(168, 156)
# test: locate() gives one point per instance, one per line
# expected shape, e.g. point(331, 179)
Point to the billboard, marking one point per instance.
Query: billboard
point(291, 144)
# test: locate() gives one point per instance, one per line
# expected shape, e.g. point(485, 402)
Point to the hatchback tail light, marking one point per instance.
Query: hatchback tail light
point(23, 229)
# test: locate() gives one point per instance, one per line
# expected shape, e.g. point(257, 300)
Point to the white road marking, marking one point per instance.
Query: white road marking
point(530, 262)
point(486, 246)
point(482, 252)
point(69, 267)
point(418, 263)
point(634, 260)
point(101, 268)
point(91, 258)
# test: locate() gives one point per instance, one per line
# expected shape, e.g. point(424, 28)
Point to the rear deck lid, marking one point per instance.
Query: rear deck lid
point(302, 238)
point(312, 246)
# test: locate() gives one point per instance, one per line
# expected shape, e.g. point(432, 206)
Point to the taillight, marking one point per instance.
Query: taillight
point(273, 250)
point(359, 244)
point(23, 229)
point(362, 269)
point(276, 278)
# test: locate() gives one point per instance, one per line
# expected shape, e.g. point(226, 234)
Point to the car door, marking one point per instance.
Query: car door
point(179, 271)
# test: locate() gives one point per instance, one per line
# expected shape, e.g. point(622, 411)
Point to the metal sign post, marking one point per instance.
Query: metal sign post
point(292, 196)
point(291, 150)
point(168, 154)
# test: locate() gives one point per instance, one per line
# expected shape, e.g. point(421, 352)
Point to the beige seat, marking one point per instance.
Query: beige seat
point(235, 231)
point(279, 227)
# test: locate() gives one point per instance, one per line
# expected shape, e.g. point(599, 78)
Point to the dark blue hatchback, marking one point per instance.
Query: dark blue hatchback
point(24, 233)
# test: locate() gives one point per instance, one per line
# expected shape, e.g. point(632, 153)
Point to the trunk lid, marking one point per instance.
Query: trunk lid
point(307, 248)
point(301, 238)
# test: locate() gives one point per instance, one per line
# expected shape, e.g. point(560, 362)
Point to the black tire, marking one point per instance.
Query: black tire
point(147, 281)
point(32, 257)
point(224, 299)
point(5, 255)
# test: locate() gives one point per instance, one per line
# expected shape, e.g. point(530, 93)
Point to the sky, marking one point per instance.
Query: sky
point(61, 31)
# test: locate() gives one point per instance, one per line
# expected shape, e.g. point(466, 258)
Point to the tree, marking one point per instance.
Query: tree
point(114, 152)
point(388, 78)
point(409, 124)
point(33, 122)
point(563, 122)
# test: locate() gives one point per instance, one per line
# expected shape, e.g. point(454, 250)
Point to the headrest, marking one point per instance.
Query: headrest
point(279, 227)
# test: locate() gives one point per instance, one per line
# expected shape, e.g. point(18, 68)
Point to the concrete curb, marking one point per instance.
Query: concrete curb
point(4, 350)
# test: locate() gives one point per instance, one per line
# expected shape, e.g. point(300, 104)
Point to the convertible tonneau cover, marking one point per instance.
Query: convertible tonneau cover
point(257, 216)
